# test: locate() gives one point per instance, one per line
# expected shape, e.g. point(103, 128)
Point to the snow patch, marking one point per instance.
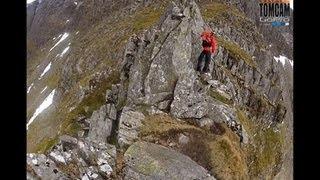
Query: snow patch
point(291, 62)
point(64, 51)
point(45, 104)
point(45, 70)
point(283, 60)
point(77, 32)
point(30, 1)
point(76, 3)
point(43, 90)
point(29, 88)
point(67, 21)
point(64, 36)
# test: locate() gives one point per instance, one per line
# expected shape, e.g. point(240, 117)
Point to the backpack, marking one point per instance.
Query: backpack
point(206, 40)
point(205, 43)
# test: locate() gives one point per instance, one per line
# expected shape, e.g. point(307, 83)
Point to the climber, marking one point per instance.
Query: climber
point(209, 45)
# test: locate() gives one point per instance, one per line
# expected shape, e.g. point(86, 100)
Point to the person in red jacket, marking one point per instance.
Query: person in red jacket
point(209, 45)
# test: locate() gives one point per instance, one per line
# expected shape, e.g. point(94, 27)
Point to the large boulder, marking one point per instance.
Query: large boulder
point(150, 161)
point(101, 123)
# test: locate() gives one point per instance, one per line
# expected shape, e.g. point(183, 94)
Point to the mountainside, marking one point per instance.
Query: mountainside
point(113, 92)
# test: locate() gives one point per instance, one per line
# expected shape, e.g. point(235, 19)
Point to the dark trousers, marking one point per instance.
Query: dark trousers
point(204, 56)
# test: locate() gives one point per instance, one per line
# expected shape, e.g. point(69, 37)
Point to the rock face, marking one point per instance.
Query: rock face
point(242, 107)
point(129, 124)
point(150, 161)
point(101, 123)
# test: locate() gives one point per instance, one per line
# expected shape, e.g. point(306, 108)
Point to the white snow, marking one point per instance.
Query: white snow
point(64, 36)
point(77, 32)
point(29, 88)
point(76, 3)
point(67, 21)
point(30, 1)
point(291, 62)
point(64, 51)
point(45, 70)
point(43, 90)
point(283, 60)
point(45, 104)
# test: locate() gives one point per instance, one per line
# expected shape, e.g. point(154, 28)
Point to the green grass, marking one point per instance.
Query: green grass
point(105, 40)
point(265, 149)
point(46, 144)
point(236, 52)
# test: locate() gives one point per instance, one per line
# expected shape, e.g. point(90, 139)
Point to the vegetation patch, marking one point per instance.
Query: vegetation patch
point(265, 148)
point(46, 144)
point(220, 154)
point(236, 52)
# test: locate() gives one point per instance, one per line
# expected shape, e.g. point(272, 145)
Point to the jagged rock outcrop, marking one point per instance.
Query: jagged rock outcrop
point(73, 159)
point(101, 123)
point(129, 124)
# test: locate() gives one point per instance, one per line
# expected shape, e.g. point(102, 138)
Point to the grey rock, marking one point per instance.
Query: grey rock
point(100, 125)
point(68, 142)
point(220, 112)
point(111, 111)
point(44, 167)
point(129, 124)
point(183, 139)
point(150, 161)
point(92, 160)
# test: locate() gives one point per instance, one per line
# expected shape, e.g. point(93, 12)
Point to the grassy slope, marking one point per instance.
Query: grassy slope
point(106, 39)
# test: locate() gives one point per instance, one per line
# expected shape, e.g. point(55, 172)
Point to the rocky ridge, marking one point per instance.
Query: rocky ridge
point(149, 122)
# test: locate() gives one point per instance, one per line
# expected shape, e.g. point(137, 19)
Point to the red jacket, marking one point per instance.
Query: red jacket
point(209, 37)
